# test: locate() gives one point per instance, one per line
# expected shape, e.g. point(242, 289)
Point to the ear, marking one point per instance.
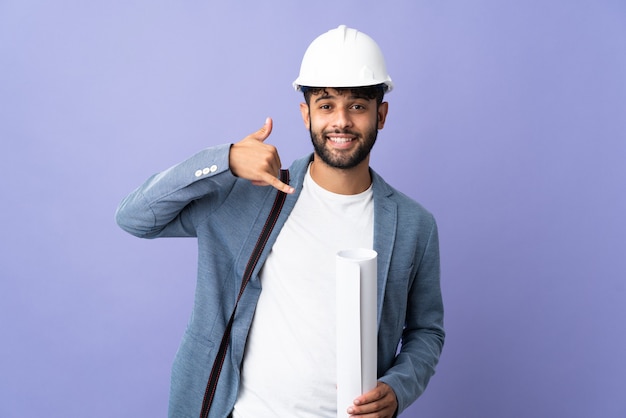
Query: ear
point(383, 108)
point(306, 117)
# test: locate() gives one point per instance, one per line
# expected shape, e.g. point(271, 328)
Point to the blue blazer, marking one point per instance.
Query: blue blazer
point(201, 198)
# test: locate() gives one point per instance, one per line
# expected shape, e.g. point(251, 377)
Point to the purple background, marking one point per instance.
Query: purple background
point(508, 122)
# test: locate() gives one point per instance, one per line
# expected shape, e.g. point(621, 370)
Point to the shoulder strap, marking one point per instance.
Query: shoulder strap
point(252, 262)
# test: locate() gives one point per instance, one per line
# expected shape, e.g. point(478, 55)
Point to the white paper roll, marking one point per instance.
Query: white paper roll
point(356, 325)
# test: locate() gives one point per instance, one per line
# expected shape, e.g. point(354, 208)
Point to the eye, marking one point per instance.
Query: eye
point(325, 106)
point(358, 107)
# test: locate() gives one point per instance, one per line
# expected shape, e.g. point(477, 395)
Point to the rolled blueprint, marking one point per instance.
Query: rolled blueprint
point(356, 325)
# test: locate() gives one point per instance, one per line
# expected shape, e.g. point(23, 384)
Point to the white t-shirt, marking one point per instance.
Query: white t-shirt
point(289, 366)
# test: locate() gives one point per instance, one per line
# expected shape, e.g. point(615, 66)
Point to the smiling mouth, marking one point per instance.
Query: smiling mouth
point(340, 139)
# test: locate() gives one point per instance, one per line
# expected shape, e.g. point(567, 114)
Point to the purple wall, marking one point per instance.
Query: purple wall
point(508, 122)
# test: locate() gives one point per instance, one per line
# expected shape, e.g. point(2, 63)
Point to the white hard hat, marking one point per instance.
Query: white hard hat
point(343, 57)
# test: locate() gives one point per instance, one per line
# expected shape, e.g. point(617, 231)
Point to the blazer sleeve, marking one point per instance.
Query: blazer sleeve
point(423, 335)
point(163, 205)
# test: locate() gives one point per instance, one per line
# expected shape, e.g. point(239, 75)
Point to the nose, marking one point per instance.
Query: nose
point(342, 118)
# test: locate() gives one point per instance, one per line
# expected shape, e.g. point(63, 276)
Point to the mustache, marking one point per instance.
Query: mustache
point(340, 131)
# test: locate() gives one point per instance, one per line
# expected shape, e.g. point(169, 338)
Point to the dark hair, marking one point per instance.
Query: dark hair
point(369, 92)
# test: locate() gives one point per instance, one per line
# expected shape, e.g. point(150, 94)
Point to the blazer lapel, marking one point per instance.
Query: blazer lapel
point(385, 224)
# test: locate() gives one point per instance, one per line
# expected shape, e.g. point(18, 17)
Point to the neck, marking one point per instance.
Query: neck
point(341, 181)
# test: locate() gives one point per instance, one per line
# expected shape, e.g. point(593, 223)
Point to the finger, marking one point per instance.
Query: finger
point(279, 185)
point(375, 394)
point(381, 399)
point(373, 409)
point(265, 131)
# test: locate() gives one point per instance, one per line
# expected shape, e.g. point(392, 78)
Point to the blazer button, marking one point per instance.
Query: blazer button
point(206, 170)
point(198, 173)
point(213, 168)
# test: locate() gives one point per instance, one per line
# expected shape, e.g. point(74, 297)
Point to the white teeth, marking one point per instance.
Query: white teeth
point(339, 140)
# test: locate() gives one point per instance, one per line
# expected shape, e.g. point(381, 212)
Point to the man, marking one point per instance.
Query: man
point(281, 357)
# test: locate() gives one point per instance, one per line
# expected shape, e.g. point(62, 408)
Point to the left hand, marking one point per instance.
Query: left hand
point(379, 402)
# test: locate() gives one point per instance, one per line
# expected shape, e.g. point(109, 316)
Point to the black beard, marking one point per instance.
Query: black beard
point(343, 160)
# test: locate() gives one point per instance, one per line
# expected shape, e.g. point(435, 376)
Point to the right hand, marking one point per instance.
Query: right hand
point(253, 160)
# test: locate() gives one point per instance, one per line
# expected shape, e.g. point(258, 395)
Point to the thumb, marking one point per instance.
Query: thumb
point(265, 131)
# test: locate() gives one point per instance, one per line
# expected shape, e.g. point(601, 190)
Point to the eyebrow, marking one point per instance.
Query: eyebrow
point(324, 97)
point(330, 96)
